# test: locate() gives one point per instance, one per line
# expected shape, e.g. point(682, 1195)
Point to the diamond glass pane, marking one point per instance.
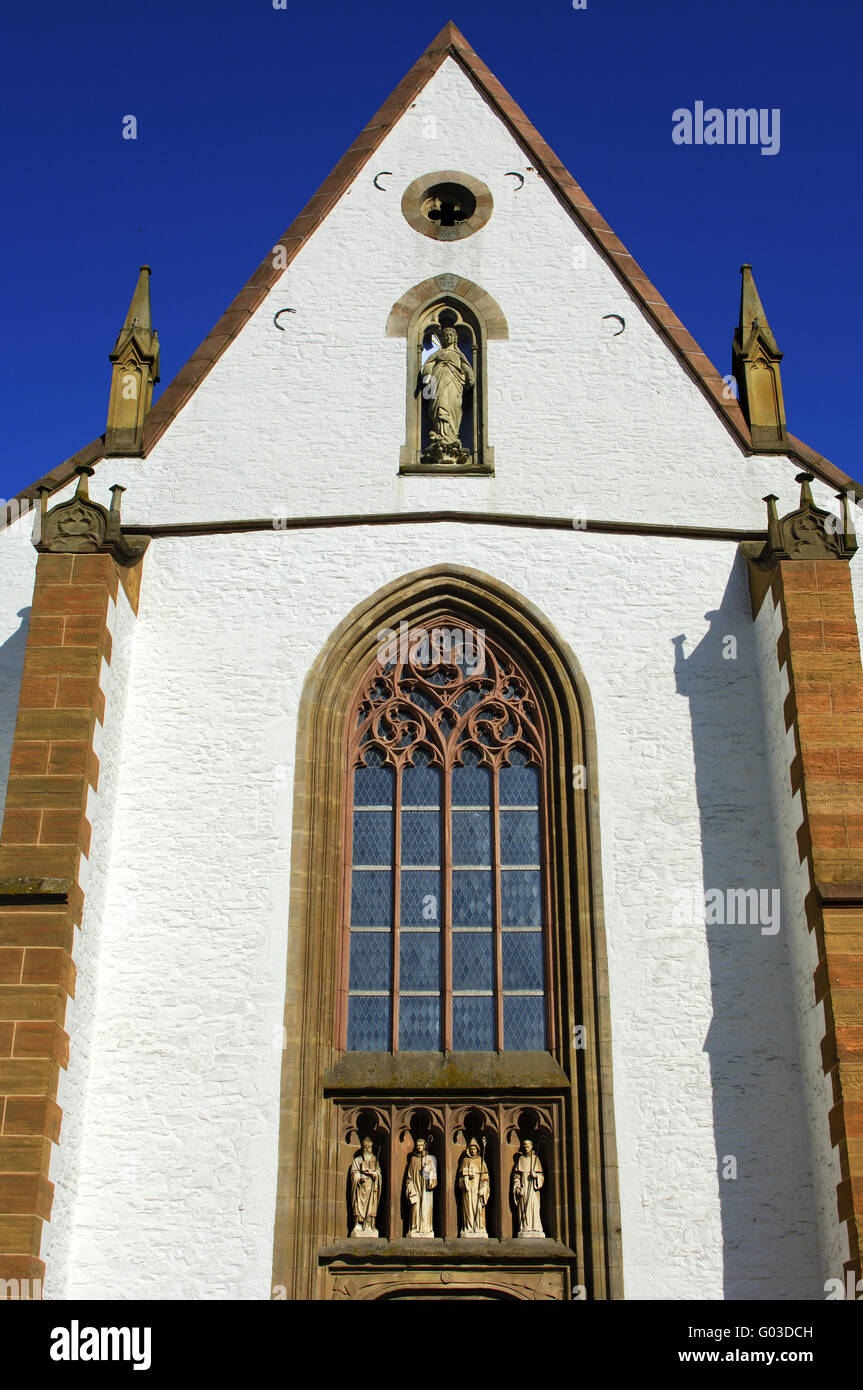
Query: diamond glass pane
point(519, 837)
point(471, 786)
point(471, 898)
point(371, 898)
point(419, 1024)
point(472, 960)
point(373, 837)
point(522, 960)
point(424, 701)
point(374, 786)
point(370, 960)
point(420, 898)
point(368, 1024)
point(472, 1024)
point(471, 837)
point(420, 837)
point(519, 786)
point(523, 1023)
point(419, 960)
point(520, 898)
point(467, 700)
point(421, 786)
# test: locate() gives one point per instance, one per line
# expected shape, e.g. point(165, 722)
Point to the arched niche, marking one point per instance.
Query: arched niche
point(420, 316)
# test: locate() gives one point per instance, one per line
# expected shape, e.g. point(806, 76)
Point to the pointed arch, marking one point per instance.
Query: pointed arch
point(310, 1202)
point(416, 298)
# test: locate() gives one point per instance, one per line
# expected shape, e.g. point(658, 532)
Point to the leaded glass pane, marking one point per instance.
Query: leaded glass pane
point(371, 898)
point(523, 1023)
point(370, 960)
point(421, 786)
point(420, 837)
point(374, 786)
point(419, 1023)
point(519, 786)
point(471, 898)
point(471, 786)
point(471, 837)
point(419, 960)
point(472, 1023)
point(472, 960)
point(429, 720)
point(519, 837)
point(368, 1024)
point(420, 898)
point(521, 897)
point(522, 960)
point(373, 837)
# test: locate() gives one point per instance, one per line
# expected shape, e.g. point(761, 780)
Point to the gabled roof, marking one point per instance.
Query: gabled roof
point(451, 43)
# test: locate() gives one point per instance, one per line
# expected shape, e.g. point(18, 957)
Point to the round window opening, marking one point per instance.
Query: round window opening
point(447, 205)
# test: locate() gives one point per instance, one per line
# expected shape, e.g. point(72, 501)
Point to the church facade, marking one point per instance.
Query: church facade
point(432, 851)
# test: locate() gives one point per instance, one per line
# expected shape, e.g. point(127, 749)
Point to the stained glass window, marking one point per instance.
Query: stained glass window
point(446, 888)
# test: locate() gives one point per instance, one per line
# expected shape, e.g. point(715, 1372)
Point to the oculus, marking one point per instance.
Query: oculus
point(447, 205)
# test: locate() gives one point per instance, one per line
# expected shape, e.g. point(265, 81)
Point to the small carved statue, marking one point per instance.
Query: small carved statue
point(446, 375)
point(474, 1189)
point(527, 1179)
point(365, 1190)
point(420, 1182)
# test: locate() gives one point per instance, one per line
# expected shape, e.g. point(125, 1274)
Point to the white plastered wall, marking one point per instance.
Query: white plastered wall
point(177, 1189)
point(18, 560)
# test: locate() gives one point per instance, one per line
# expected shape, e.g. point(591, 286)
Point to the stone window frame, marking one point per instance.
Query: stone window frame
point(416, 192)
point(317, 1077)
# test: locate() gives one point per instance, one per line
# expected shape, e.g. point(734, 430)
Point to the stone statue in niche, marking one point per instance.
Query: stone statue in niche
point(527, 1179)
point(446, 375)
point(474, 1189)
point(420, 1182)
point(365, 1178)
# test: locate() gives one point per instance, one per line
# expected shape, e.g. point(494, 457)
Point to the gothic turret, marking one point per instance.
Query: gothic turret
point(136, 369)
point(755, 360)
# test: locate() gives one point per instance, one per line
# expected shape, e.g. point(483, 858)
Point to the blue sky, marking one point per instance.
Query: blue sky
point(243, 110)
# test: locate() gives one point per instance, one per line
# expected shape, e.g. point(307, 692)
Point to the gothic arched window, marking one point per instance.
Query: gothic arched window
point(446, 894)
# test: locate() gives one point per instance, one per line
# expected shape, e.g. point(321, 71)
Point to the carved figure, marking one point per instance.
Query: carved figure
point(446, 375)
point(527, 1179)
point(474, 1190)
point(365, 1178)
point(420, 1182)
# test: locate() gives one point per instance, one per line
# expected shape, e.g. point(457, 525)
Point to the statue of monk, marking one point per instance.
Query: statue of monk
point(365, 1190)
point(527, 1179)
point(474, 1189)
point(420, 1182)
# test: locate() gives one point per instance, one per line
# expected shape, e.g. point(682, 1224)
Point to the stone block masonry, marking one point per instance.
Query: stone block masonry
point(44, 853)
